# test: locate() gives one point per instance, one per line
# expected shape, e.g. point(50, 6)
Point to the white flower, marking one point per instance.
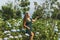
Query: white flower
point(58, 38)
point(52, 10)
point(8, 34)
point(19, 22)
point(55, 29)
point(58, 1)
point(14, 19)
point(13, 30)
point(59, 33)
point(20, 36)
point(11, 36)
point(6, 31)
point(18, 30)
point(37, 33)
point(1, 39)
point(56, 23)
point(23, 29)
point(6, 38)
point(55, 6)
point(27, 34)
point(47, 23)
point(16, 36)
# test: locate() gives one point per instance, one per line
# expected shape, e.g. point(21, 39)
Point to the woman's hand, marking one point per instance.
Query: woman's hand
point(33, 20)
point(28, 27)
point(36, 17)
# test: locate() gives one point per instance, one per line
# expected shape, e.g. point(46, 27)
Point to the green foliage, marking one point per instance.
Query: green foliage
point(1, 24)
point(24, 5)
point(59, 25)
point(17, 14)
point(7, 12)
point(43, 28)
point(35, 3)
point(40, 28)
point(38, 12)
point(55, 13)
point(25, 9)
point(58, 16)
point(46, 32)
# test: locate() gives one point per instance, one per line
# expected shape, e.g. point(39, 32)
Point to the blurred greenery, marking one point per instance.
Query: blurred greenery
point(11, 22)
point(42, 30)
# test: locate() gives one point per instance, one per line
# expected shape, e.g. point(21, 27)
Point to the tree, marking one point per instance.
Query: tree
point(0, 14)
point(25, 5)
point(8, 12)
point(35, 3)
point(56, 10)
point(38, 12)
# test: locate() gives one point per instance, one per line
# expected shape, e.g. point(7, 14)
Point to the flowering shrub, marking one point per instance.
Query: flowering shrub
point(44, 30)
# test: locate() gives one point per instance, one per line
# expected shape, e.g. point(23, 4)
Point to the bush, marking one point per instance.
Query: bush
point(43, 30)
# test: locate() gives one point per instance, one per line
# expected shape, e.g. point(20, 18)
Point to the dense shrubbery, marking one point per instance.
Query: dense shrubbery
point(11, 24)
point(44, 30)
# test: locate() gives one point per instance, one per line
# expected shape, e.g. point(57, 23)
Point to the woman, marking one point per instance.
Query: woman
point(27, 23)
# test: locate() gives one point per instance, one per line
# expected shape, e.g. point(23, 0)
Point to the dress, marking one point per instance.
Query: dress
point(29, 24)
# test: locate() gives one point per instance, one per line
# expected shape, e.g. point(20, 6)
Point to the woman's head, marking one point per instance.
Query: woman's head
point(27, 15)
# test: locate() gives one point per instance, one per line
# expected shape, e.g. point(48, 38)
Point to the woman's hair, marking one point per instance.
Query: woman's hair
point(25, 18)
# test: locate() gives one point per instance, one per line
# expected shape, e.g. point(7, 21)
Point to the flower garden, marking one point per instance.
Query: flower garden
point(44, 29)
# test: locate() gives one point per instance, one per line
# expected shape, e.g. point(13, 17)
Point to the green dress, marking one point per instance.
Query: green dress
point(29, 24)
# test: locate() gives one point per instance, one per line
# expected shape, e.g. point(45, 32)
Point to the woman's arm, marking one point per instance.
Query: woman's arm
point(33, 20)
point(25, 25)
